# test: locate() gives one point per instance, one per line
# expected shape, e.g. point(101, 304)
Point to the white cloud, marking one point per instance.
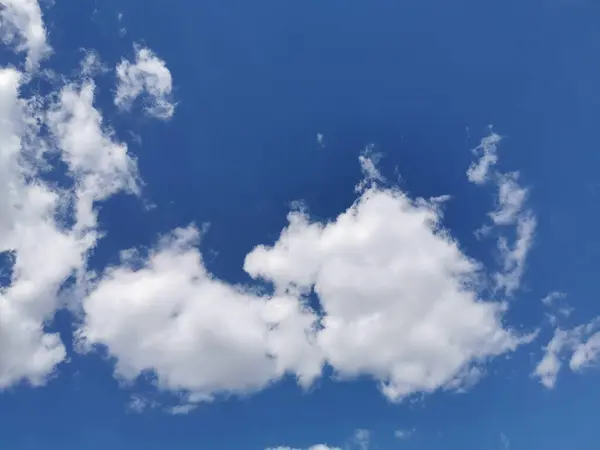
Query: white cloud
point(362, 438)
point(368, 161)
point(139, 404)
point(360, 441)
point(505, 441)
point(514, 256)
point(487, 151)
point(511, 198)
point(548, 368)
point(198, 334)
point(403, 434)
point(581, 343)
point(314, 447)
point(398, 299)
point(47, 245)
point(510, 211)
point(21, 23)
point(148, 77)
point(586, 353)
point(92, 65)
point(43, 253)
point(398, 296)
point(99, 164)
point(550, 299)
point(320, 140)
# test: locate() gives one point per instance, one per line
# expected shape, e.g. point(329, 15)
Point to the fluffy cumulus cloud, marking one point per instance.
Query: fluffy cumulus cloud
point(511, 211)
point(580, 345)
point(147, 78)
point(399, 297)
point(21, 24)
point(398, 301)
point(167, 314)
point(45, 251)
point(47, 228)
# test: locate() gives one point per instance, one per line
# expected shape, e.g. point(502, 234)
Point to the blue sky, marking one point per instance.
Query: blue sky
point(307, 225)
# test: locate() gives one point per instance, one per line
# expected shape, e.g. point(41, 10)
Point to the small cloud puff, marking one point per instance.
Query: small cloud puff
point(148, 77)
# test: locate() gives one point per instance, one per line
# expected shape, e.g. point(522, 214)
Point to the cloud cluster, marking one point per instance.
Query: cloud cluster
point(382, 290)
point(167, 314)
point(404, 433)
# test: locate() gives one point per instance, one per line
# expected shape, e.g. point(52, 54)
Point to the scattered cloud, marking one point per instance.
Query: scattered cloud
point(398, 301)
point(122, 29)
point(362, 438)
point(314, 447)
point(511, 198)
point(487, 152)
point(550, 299)
point(581, 343)
point(91, 65)
point(368, 161)
point(510, 212)
point(320, 140)
point(182, 409)
point(139, 404)
point(556, 302)
point(21, 24)
point(149, 78)
point(403, 433)
point(360, 441)
point(505, 441)
point(514, 255)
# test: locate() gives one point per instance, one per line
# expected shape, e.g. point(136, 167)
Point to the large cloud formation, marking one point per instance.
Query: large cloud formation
point(398, 301)
point(381, 290)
